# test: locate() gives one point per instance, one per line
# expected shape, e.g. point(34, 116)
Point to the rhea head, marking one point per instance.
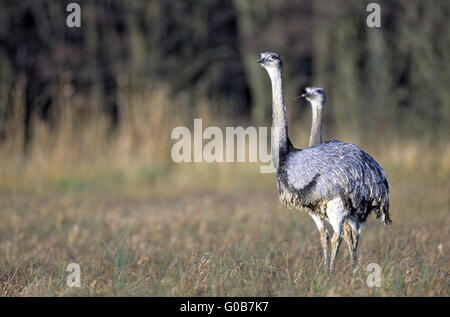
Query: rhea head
point(271, 61)
point(315, 95)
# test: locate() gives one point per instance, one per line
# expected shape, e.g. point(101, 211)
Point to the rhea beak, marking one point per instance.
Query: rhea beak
point(304, 95)
point(261, 60)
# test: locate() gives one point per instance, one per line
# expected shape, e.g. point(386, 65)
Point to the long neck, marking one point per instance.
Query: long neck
point(316, 125)
point(280, 140)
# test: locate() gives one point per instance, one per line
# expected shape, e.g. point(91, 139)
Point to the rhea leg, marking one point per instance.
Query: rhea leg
point(352, 229)
point(324, 236)
point(336, 216)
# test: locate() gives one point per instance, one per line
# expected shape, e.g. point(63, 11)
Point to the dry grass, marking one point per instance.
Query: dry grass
point(138, 225)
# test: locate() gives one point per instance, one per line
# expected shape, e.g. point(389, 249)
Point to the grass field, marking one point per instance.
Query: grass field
point(211, 230)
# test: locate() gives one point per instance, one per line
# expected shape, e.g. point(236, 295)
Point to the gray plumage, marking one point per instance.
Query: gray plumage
point(334, 181)
point(320, 173)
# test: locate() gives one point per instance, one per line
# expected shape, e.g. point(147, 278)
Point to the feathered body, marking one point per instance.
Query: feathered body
point(313, 176)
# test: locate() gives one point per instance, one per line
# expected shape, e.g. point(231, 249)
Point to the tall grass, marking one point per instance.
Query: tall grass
point(139, 224)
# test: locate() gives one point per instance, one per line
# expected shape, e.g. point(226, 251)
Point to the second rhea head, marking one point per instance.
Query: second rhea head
point(314, 94)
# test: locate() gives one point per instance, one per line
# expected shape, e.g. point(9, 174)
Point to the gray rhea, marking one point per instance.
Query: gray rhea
point(335, 181)
point(316, 98)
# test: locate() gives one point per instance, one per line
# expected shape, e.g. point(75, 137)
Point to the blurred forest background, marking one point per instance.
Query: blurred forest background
point(86, 116)
point(379, 81)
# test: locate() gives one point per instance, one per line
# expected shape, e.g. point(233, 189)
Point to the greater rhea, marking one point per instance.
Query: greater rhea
point(335, 181)
point(316, 98)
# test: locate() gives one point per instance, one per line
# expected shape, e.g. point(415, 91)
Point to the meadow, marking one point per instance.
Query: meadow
point(140, 225)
